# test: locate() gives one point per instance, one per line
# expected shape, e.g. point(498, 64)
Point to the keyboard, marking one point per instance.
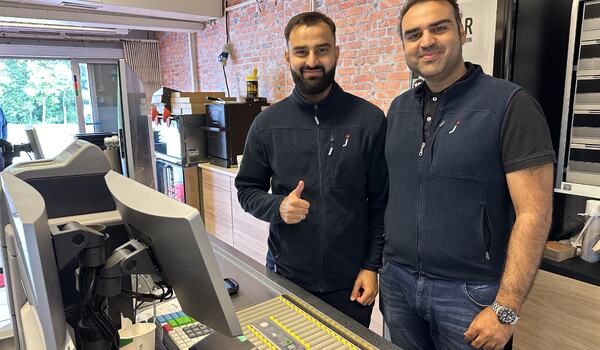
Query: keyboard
point(180, 331)
point(283, 323)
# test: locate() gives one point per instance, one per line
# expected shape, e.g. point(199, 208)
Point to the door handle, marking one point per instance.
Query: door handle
point(122, 147)
point(213, 128)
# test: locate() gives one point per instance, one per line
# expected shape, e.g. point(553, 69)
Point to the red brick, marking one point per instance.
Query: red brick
point(371, 63)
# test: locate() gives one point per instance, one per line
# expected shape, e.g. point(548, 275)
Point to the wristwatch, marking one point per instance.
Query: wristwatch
point(505, 314)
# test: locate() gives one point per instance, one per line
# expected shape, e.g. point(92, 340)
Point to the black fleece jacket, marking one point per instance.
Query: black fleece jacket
point(336, 147)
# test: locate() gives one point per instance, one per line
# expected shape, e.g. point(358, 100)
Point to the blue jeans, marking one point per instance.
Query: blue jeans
point(427, 313)
point(270, 260)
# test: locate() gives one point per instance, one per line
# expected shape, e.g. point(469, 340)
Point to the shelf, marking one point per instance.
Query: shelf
point(579, 190)
point(574, 268)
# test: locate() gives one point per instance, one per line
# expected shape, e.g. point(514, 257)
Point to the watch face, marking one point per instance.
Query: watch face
point(506, 315)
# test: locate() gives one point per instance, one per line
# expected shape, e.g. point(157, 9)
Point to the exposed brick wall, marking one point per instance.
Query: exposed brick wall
point(371, 60)
point(175, 60)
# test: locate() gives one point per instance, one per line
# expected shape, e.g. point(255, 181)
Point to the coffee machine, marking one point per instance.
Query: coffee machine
point(227, 125)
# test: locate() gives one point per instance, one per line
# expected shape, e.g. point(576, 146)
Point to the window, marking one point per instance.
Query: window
point(39, 92)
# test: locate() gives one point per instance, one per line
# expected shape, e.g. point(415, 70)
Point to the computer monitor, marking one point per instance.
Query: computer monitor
point(34, 142)
point(175, 235)
point(28, 237)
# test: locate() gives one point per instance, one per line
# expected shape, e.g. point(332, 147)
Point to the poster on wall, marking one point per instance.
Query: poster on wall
point(479, 21)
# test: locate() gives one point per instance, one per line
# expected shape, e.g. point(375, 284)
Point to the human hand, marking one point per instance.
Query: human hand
point(367, 281)
point(487, 332)
point(294, 209)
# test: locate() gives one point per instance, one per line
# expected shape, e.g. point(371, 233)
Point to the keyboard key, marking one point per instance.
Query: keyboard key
point(184, 320)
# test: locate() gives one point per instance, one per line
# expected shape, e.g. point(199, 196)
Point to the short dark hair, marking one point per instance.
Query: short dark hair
point(410, 3)
point(308, 19)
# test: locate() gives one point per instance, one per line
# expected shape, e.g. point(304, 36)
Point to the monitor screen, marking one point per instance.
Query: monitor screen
point(28, 225)
point(34, 142)
point(175, 234)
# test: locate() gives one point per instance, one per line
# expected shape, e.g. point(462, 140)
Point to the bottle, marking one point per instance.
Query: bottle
point(252, 84)
point(591, 232)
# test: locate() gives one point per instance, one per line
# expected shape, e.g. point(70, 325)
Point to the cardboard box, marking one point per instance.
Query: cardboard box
point(192, 102)
point(557, 251)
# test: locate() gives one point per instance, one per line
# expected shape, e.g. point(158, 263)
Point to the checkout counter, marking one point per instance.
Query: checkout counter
point(260, 285)
point(302, 319)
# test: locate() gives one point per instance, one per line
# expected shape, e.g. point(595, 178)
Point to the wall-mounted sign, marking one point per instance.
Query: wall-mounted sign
point(479, 20)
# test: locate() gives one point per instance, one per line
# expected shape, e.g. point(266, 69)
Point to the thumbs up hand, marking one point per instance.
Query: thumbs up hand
point(293, 208)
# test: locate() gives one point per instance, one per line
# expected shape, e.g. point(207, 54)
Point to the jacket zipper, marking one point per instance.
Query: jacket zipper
point(487, 234)
point(331, 155)
point(322, 282)
point(420, 178)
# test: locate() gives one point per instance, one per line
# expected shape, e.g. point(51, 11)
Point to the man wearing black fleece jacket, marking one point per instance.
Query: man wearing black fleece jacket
point(320, 151)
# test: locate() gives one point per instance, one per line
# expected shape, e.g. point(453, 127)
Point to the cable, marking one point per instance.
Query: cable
point(148, 296)
point(100, 318)
point(89, 291)
point(226, 85)
point(94, 307)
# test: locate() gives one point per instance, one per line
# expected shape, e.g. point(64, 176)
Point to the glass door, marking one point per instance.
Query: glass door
point(98, 100)
point(98, 81)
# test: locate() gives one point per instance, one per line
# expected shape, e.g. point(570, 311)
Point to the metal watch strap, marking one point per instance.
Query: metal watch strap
point(497, 307)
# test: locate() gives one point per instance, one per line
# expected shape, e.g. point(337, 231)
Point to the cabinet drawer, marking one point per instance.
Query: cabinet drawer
point(214, 178)
point(587, 94)
point(589, 59)
point(584, 164)
point(559, 313)
point(590, 26)
point(217, 212)
point(250, 235)
point(586, 128)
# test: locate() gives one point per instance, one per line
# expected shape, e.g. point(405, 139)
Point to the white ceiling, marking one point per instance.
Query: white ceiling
point(122, 15)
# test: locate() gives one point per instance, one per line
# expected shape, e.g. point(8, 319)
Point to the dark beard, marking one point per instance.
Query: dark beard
point(311, 87)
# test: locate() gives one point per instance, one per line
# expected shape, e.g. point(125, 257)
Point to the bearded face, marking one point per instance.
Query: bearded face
point(313, 81)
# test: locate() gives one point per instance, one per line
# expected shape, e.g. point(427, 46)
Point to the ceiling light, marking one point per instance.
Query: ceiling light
point(79, 5)
point(63, 28)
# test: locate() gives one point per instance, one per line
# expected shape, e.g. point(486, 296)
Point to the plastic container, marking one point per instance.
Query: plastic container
point(252, 84)
point(139, 336)
point(591, 232)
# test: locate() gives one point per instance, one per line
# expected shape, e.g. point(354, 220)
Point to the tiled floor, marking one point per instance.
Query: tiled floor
point(5, 328)
point(4, 312)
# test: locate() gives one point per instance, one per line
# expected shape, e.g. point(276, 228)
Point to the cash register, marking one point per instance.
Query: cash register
point(168, 241)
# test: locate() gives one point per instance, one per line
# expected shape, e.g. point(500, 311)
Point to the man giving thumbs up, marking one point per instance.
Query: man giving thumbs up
point(294, 209)
point(320, 151)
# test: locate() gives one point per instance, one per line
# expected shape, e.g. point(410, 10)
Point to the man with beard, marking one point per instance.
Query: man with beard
point(470, 161)
point(320, 150)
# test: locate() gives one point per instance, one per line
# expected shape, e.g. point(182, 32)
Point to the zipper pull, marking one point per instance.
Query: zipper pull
point(331, 147)
point(487, 256)
point(421, 150)
point(347, 139)
point(316, 118)
point(455, 126)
